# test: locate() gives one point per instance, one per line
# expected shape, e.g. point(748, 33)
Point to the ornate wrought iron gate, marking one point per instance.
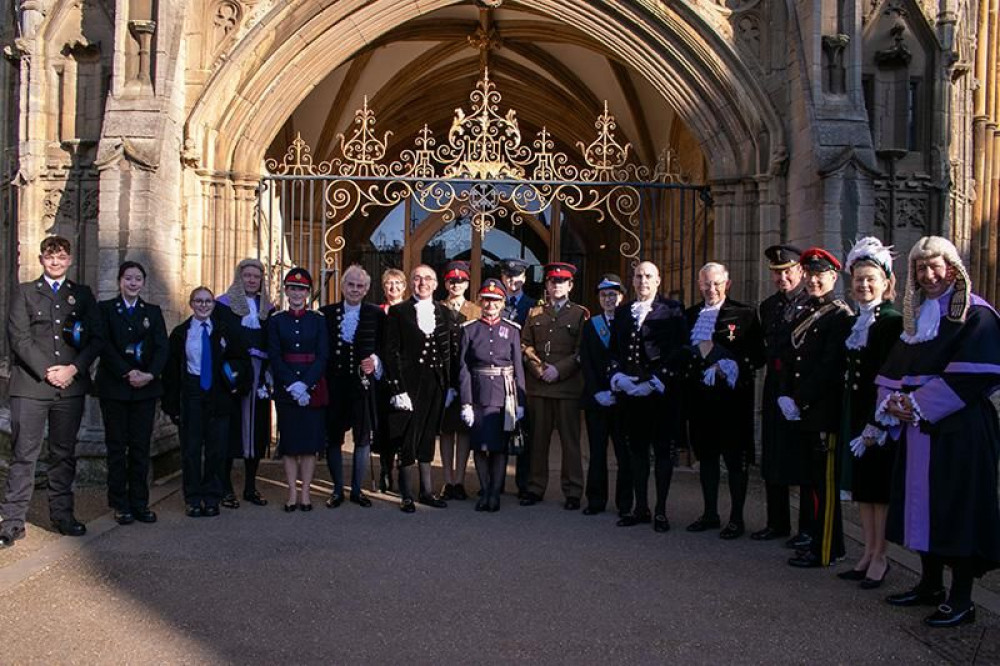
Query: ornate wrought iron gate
point(598, 209)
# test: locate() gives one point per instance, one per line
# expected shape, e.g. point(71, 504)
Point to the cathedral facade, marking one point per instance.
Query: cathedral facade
point(165, 132)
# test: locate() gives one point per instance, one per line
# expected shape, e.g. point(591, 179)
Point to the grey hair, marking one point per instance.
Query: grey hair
point(715, 266)
point(355, 270)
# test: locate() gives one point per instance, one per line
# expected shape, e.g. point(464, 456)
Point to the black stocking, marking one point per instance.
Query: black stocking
point(960, 596)
point(498, 473)
point(250, 466)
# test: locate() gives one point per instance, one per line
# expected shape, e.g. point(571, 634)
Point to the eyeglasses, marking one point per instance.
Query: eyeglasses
point(424, 278)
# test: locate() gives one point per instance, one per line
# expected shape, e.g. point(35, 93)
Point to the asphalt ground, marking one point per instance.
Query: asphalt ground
point(528, 584)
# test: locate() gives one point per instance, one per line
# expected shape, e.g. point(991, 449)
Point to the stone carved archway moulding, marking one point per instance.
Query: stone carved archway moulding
point(282, 52)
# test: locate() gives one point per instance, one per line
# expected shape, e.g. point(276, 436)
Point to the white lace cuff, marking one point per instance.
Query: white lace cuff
point(882, 414)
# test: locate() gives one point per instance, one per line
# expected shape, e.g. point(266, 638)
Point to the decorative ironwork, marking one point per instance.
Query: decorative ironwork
point(483, 172)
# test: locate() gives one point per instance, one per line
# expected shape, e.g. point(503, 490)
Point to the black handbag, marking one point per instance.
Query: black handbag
point(515, 441)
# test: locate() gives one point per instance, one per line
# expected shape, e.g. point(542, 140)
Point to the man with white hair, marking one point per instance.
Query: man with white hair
point(727, 348)
point(355, 333)
point(934, 392)
point(645, 334)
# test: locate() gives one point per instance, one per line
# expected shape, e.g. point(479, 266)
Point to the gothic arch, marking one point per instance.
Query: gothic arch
point(292, 48)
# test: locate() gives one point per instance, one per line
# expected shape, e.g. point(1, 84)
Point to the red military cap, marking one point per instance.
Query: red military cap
point(559, 271)
point(456, 270)
point(298, 277)
point(817, 260)
point(492, 289)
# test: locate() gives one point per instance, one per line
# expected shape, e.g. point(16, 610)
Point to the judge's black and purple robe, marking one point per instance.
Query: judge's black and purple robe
point(944, 496)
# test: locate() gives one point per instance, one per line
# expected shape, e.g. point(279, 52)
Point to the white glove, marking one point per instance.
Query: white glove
point(622, 383)
point(519, 413)
point(449, 397)
point(858, 446)
point(263, 393)
point(604, 398)
point(789, 408)
point(708, 379)
point(468, 416)
point(401, 402)
point(642, 390)
point(303, 400)
point(297, 389)
point(731, 371)
point(657, 385)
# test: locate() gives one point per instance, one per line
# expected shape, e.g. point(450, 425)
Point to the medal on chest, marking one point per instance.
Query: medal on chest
point(732, 332)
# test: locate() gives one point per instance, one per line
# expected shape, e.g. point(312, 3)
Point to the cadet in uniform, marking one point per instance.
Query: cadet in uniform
point(727, 347)
point(55, 334)
point(513, 273)
point(491, 388)
point(354, 331)
point(645, 335)
point(810, 401)
point(454, 434)
point(551, 343)
point(782, 464)
point(600, 406)
point(128, 384)
point(417, 357)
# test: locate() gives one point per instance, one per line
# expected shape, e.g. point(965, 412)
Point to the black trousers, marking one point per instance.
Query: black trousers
point(603, 424)
point(710, 473)
point(28, 417)
point(425, 421)
point(522, 466)
point(128, 428)
point(650, 425)
point(779, 508)
point(822, 498)
point(204, 443)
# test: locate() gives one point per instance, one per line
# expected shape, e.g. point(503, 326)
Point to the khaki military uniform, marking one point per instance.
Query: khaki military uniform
point(552, 337)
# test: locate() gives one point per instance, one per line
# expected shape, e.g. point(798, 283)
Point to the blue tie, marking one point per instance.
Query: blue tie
point(206, 358)
point(55, 287)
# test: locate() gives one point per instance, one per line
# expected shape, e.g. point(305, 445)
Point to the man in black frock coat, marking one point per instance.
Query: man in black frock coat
point(355, 333)
point(417, 357)
point(782, 464)
point(645, 335)
point(55, 334)
point(727, 348)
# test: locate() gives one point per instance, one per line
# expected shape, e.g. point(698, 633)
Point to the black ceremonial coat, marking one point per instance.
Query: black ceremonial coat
point(351, 402)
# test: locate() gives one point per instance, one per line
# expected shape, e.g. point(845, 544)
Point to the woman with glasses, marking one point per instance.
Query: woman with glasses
point(388, 432)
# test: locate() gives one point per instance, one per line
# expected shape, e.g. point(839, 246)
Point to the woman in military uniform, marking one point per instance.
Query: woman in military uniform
point(297, 349)
point(491, 385)
point(454, 439)
point(128, 385)
point(246, 307)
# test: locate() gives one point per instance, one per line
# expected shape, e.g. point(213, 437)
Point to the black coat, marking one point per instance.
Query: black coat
point(124, 331)
point(227, 345)
point(595, 359)
point(37, 339)
point(346, 357)
point(406, 356)
point(648, 350)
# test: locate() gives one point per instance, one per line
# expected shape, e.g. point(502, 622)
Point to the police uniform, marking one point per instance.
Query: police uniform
point(603, 422)
point(721, 407)
point(491, 384)
point(201, 403)
point(136, 340)
point(516, 309)
point(644, 339)
point(551, 336)
point(782, 464)
point(812, 377)
point(47, 327)
point(353, 334)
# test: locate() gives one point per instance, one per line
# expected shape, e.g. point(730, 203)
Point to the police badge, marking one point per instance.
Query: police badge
point(71, 299)
point(145, 322)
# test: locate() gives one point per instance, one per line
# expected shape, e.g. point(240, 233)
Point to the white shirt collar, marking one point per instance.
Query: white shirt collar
point(51, 282)
point(129, 305)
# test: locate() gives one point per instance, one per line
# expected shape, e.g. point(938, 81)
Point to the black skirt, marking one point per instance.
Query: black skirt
point(301, 430)
point(871, 479)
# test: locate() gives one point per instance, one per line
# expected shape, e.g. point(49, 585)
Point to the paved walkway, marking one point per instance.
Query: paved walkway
point(537, 585)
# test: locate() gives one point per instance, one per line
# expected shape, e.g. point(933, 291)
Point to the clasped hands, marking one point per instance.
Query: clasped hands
point(137, 378)
point(550, 374)
point(902, 407)
point(60, 376)
point(299, 392)
point(632, 387)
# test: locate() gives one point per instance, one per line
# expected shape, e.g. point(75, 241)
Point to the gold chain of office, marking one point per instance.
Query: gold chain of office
point(483, 172)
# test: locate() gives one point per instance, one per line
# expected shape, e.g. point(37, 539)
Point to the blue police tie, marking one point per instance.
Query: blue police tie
point(55, 287)
point(206, 358)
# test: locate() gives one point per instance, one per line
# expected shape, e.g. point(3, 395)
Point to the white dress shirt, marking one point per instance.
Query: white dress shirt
point(192, 347)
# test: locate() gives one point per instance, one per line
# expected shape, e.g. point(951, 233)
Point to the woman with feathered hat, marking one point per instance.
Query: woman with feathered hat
point(874, 331)
point(934, 397)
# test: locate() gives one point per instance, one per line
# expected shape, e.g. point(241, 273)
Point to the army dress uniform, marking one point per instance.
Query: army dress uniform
point(136, 340)
point(782, 463)
point(48, 325)
point(720, 410)
point(353, 334)
point(551, 336)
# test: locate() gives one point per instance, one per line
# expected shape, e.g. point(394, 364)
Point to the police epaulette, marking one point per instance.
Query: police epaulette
point(512, 323)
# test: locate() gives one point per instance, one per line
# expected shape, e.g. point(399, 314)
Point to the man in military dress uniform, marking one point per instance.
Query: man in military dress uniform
point(600, 406)
point(55, 334)
point(727, 347)
point(646, 335)
point(514, 273)
point(551, 342)
point(354, 331)
point(810, 400)
point(417, 357)
point(782, 464)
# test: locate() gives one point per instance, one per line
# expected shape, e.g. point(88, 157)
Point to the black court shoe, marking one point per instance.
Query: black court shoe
point(429, 500)
point(291, 507)
point(661, 524)
point(458, 492)
point(124, 517)
point(254, 498)
point(361, 500)
point(852, 574)
point(768, 534)
point(335, 500)
point(482, 505)
point(946, 616)
point(230, 501)
point(917, 596)
point(406, 506)
point(732, 531)
point(705, 523)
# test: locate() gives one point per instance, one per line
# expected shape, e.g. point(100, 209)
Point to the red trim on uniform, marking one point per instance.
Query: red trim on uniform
point(456, 274)
point(298, 280)
point(558, 273)
point(298, 358)
point(492, 321)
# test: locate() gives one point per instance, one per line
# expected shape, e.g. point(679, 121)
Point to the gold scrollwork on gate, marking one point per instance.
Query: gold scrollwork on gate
point(483, 171)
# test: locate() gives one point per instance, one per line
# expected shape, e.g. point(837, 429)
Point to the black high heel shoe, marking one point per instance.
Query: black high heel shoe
point(872, 583)
point(291, 507)
point(853, 574)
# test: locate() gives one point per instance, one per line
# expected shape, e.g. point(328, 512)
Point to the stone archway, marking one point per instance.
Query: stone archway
point(291, 48)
